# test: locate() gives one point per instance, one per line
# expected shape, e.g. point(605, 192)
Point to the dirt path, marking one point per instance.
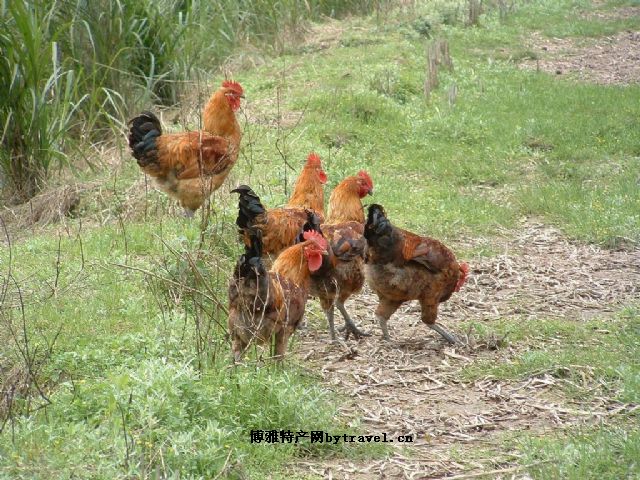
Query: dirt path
point(414, 385)
point(604, 60)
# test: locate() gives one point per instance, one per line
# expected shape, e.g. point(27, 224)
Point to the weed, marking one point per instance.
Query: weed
point(609, 452)
point(38, 102)
point(139, 379)
point(604, 350)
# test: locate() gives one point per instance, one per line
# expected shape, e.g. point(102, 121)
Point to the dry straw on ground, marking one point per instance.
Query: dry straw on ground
point(413, 384)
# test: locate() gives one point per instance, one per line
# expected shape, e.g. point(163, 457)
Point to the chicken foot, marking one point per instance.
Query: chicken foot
point(446, 335)
point(383, 325)
point(429, 315)
point(349, 325)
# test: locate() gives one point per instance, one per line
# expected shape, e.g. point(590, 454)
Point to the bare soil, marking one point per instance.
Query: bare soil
point(414, 385)
point(609, 60)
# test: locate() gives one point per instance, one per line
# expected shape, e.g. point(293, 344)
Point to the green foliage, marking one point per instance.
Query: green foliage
point(609, 357)
point(590, 453)
point(38, 100)
point(130, 392)
point(82, 67)
point(160, 413)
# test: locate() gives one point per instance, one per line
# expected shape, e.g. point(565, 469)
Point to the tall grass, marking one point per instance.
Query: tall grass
point(81, 67)
point(38, 99)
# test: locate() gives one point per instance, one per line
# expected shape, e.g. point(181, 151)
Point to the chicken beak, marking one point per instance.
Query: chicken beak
point(370, 192)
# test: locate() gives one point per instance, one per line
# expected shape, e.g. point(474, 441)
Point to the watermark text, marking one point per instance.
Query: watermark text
point(319, 436)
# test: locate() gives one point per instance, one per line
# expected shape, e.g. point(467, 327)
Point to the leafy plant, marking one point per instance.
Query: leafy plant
point(38, 104)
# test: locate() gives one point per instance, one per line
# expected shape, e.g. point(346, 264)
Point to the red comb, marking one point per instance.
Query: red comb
point(313, 160)
point(235, 86)
point(464, 272)
point(316, 238)
point(364, 175)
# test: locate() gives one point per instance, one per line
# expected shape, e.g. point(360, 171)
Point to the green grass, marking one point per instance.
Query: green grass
point(138, 376)
point(609, 452)
point(132, 417)
point(86, 66)
point(134, 387)
point(570, 18)
point(561, 150)
point(603, 350)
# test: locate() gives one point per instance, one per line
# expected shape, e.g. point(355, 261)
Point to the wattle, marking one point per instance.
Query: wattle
point(315, 261)
point(234, 103)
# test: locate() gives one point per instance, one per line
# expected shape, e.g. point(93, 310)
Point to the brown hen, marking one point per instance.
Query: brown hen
point(403, 266)
point(264, 304)
point(342, 271)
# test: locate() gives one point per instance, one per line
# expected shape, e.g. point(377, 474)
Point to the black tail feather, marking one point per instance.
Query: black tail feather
point(143, 131)
point(249, 207)
point(312, 224)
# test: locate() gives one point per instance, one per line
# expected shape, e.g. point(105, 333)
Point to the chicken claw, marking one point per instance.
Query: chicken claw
point(383, 325)
point(349, 325)
point(446, 335)
point(355, 331)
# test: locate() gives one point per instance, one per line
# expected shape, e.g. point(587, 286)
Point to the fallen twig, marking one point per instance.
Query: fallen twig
point(498, 471)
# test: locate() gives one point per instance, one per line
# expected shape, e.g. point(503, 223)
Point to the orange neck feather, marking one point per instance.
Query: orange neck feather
point(292, 265)
point(219, 118)
point(308, 192)
point(345, 204)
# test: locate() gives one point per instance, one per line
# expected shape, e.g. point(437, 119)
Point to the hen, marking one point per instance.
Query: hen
point(344, 203)
point(264, 304)
point(342, 271)
point(280, 226)
point(403, 266)
point(189, 166)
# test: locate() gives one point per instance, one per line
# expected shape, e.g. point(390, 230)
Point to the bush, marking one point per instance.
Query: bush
point(37, 105)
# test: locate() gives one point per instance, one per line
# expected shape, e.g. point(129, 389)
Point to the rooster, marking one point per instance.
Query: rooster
point(342, 271)
point(280, 226)
point(344, 203)
point(308, 191)
point(403, 266)
point(264, 304)
point(189, 166)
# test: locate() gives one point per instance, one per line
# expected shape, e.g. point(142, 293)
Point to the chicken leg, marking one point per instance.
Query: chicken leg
point(429, 315)
point(349, 325)
point(332, 331)
point(446, 335)
point(385, 309)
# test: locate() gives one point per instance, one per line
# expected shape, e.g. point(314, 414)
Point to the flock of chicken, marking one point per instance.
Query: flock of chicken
point(311, 254)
